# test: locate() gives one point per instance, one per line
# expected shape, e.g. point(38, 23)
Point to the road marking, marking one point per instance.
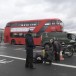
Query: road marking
point(5, 61)
point(13, 57)
point(58, 64)
point(8, 61)
point(2, 60)
point(64, 65)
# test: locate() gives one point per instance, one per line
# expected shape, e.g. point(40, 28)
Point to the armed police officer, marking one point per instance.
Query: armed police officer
point(29, 50)
point(56, 48)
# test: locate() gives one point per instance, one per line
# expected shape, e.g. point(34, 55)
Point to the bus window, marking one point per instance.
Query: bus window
point(13, 24)
point(14, 35)
point(8, 25)
point(58, 22)
point(48, 23)
point(21, 35)
point(53, 22)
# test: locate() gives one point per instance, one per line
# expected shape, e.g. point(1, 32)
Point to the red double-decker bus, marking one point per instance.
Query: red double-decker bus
point(15, 31)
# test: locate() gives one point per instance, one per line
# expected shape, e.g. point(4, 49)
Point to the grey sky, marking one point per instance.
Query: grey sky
point(11, 10)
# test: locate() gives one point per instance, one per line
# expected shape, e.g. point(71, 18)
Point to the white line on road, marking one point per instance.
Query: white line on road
point(5, 61)
point(12, 57)
point(2, 60)
point(58, 64)
point(64, 65)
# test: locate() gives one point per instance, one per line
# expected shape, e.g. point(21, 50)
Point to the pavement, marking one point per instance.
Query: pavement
point(13, 58)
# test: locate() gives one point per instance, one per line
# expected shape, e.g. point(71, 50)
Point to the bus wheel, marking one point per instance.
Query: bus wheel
point(13, 42)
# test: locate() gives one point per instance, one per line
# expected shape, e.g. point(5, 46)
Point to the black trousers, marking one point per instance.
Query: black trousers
point(29, 57)
point(57, 56)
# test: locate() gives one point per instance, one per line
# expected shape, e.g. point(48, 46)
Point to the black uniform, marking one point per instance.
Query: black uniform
point(57, 49)
point(48, 54)
point(29, 50)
